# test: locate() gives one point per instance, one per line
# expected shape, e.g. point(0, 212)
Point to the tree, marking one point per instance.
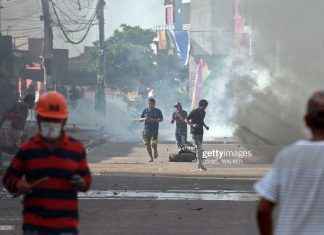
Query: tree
point(132, 63)
point(130, 58)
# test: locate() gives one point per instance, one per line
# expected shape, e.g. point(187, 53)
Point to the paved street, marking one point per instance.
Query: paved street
point(131, 196)
point(107, 215)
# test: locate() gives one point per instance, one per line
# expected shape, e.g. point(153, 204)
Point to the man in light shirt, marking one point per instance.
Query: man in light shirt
point(295, 183)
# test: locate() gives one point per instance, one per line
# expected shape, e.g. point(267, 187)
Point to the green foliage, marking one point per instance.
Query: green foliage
point(132, 64)
point(130, 58)
point(134, 35)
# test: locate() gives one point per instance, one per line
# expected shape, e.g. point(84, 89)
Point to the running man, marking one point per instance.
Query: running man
point(196, 121)
point(151, 117)
point(179, 116)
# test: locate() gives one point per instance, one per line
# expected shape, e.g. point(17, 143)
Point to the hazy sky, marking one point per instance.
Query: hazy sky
point(21, 18)
point(145, 13)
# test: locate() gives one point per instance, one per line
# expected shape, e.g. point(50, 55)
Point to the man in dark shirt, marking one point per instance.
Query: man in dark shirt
point(151, 117)
point(179, 117)
point(196, 121)
point(17, 114)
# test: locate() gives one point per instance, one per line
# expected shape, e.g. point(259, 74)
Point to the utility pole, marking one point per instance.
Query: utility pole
point(100, 98)
point(48, 46)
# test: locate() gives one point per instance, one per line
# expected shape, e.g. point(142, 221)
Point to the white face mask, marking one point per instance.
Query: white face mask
point(50, 130)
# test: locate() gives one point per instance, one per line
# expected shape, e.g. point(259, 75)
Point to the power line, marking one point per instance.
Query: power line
point(73, 19)
point(80, 27)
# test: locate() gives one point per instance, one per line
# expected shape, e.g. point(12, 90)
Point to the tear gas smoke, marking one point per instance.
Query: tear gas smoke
point(289, 44)
point(265, 96)
point(119, 122)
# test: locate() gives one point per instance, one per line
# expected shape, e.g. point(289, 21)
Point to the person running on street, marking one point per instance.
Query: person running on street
point(196, 121)
point(179, 117)
point(151, 117)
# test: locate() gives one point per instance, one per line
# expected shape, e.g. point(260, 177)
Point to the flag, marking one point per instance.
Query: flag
point(239, 21)
point(170, 40)
point(162, 40)
point(183, 44)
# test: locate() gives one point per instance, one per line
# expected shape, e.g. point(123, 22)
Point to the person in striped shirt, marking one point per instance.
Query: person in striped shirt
point(294, 185)
point(49, 170)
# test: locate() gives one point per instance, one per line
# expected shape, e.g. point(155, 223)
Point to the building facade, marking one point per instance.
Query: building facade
point(215, 27)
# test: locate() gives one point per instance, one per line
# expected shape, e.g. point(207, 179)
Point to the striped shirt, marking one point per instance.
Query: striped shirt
point(295, 185)
point(52, 207)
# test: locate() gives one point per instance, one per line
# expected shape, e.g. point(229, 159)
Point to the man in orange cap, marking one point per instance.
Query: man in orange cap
point(295, 183)
point(49, 170)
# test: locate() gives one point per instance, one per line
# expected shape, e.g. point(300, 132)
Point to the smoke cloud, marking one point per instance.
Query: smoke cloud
point(289, 43)
point(265, 97)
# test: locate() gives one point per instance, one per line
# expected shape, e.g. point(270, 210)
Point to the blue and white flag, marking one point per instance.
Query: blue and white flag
point(183, 44)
